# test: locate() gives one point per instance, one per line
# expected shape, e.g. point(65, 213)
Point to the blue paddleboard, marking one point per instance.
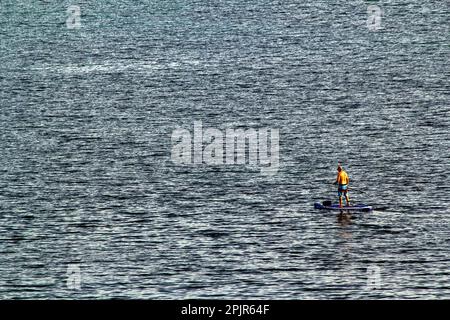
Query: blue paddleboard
point(356, 207)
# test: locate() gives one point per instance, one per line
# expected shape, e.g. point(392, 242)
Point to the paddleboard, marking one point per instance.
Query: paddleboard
point(329, 206)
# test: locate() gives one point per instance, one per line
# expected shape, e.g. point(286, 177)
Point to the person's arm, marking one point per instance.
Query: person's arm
point(337, 179)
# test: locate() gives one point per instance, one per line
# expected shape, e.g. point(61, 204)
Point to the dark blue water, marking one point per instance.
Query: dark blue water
point(91, 205)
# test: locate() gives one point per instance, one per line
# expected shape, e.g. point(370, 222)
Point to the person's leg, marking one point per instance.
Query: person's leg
point(347, 199)
point(340, 198)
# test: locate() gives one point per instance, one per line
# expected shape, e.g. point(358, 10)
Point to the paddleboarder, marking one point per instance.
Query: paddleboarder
point(342, 181)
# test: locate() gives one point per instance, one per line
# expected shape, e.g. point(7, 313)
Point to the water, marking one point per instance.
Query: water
point(93, 207)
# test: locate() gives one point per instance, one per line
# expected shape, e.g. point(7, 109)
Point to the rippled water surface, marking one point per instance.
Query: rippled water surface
point(88, 188)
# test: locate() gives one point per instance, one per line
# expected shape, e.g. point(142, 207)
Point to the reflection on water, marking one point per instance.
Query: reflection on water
point(344, 219)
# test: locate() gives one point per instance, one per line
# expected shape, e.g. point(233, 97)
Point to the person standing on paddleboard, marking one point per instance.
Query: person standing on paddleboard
point(342, 181)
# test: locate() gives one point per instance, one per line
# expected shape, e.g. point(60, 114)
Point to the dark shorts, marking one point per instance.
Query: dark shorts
point(342, 189)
